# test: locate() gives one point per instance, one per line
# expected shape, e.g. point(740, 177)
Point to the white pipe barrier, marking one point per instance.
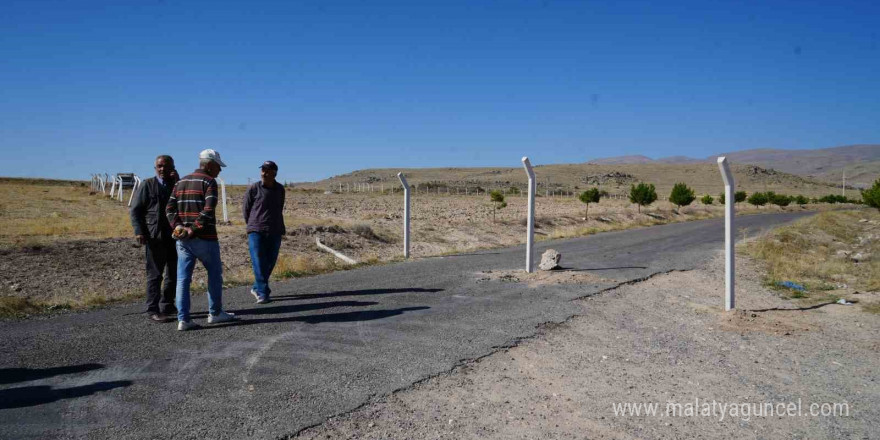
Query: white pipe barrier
point(729, 270)
point(223, 199)
point(405, 214)
point(137, 183)
point(530, 237)
point(339, 255)
point(113, 188)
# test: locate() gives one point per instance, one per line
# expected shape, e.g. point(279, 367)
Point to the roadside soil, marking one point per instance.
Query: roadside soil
point(666, 339)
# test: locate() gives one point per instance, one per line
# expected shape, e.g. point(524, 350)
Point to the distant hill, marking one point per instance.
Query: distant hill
point(622, 160)
point(826, 163)
point(703, 177)
point(861, 162)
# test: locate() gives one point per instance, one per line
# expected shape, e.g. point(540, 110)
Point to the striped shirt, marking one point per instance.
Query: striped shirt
point(192, 204)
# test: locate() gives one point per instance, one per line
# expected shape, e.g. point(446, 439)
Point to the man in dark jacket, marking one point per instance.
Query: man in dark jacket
point(263, 209)
point(152, 230)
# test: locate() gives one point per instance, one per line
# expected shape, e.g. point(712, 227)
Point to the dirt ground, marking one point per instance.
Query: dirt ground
point(664, 341)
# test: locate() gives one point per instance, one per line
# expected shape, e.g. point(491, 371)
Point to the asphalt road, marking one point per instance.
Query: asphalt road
point(323, 347)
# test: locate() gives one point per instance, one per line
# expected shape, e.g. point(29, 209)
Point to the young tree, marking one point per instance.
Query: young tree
point(497, 202)
point(801, 200)
point(721, 198)
point(643, 195)
point(681, 195)
point(871, 196)
point(589, 196)
point(758, 199)
point(707, 199)
point(739, 196)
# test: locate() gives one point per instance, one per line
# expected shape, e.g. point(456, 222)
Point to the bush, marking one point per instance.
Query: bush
point(739, 196)
point(801, 200)
point(681, 195)
point(833, 198)
point(758, 199)
point(871, 196)
point(707, 199)
point(642, 194)
point(721, 198)
point(779, 199)
point(497, 202)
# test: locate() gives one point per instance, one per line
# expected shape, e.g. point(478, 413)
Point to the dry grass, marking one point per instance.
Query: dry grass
point(815, 252)
point(41, 213)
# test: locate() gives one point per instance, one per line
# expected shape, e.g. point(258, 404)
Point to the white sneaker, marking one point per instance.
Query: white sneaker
point(221, 317)
point(186, 325)
point(255, 294)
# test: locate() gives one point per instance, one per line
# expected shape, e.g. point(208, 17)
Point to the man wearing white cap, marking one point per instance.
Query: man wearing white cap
point(190, 212)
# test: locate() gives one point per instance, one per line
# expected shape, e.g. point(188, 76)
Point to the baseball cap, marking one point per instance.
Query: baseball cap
point(269, 164)
point(211, 155)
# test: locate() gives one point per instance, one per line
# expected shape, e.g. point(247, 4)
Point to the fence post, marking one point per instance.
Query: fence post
point(530, 261)
point(405, 214)
point(729, 270)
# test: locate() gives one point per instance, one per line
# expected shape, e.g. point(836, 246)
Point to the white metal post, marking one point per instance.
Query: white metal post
point(405, 214)
point(729, 270)
point(223, 199)
point(530, 237)
point(137, 183)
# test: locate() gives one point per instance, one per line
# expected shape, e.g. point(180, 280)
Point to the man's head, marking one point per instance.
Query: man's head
point(164, 166)
point(268, 171)
point(210, 162)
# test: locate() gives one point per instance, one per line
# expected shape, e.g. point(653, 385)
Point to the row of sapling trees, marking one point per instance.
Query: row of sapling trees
point(645, 194)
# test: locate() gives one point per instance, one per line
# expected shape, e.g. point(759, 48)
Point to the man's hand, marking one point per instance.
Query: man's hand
point(141, 240)
point(182, 232)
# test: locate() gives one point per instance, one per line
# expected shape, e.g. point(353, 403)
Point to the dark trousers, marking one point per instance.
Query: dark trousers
point(264, 249)
point(161, 258)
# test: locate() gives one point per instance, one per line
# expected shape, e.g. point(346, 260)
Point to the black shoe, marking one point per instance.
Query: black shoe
point(158, 317)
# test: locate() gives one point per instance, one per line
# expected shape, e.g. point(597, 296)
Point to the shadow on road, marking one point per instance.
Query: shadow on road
point(366, 315)
point(277, 310)
point(37, 395)
point(13, 375)
point(354, 293)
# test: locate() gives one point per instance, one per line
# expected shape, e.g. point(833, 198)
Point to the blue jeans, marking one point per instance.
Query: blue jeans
point(264, 249)
point(208, 252)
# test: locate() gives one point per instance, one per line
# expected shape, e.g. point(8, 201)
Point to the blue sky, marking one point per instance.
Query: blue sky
point(326, 87)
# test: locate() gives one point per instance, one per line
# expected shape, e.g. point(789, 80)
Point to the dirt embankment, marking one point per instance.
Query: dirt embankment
point(665, 341)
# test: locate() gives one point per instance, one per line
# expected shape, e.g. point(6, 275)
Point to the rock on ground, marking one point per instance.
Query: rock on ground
point(550, 260)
